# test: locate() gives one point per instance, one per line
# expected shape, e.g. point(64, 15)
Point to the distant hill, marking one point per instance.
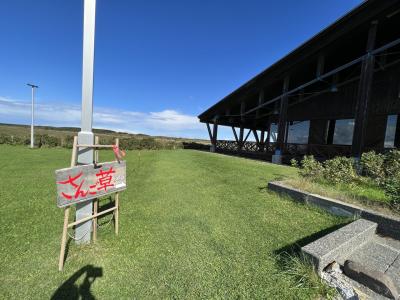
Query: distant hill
point(62, 137)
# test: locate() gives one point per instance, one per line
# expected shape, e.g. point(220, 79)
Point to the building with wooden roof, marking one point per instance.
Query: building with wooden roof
point(336, 94)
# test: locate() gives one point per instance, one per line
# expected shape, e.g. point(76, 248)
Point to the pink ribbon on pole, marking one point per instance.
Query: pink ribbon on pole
point(119, 154)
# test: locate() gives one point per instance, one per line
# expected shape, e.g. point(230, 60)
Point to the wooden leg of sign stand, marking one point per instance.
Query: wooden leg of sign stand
point(116, 212)
point(66, 212)
point(95, 210)
point(63, 239)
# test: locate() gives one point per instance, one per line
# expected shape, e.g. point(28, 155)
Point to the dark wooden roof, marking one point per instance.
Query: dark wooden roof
point(342, 41)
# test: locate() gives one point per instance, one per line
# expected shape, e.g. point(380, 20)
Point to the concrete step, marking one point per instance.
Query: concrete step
point(370, 259)
point(338, 245)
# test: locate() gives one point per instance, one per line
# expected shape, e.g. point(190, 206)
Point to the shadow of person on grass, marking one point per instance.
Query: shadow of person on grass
point(70, 289)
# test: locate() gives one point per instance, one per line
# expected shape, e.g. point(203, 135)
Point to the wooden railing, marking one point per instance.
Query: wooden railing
point(291, 150)
point(233, 146)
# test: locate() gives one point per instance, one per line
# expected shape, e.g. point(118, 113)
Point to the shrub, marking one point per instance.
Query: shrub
point(68, 141)
point(392, 164)
point(49, 141)
point(5, 139)
point(310, 168)
point(392, 190)
point(294, 163)
point(372, 165)
point(340, 170)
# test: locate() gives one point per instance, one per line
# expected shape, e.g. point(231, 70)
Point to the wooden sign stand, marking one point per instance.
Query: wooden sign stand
point(95, 214)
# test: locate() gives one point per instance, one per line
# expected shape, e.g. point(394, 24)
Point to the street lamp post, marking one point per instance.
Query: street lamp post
point(33, 87)
point(85, 136)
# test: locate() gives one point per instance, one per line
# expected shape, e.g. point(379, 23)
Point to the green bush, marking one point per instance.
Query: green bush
point(310, 168)
point(294, 163)
point(392, 190)
point(67, 141)
point(392, 164)
point(49, 141)
point(340, 170)
point(5, 139)
point(373, 166)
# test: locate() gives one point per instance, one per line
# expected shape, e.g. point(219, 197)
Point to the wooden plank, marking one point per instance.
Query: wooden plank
point(85, 182)
point(94, 146)
point(91, 217)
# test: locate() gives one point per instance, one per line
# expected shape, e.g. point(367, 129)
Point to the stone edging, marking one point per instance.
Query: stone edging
point(387, 225)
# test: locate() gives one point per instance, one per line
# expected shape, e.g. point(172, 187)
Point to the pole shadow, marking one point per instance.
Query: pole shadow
point(70, 289)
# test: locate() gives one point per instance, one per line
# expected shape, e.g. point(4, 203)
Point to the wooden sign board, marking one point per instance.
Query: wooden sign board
point(82, 183)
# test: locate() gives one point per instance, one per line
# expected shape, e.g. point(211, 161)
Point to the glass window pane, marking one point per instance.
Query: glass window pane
point(390, 131)
point(343, 134)
point(298, 132)
point(274, 133)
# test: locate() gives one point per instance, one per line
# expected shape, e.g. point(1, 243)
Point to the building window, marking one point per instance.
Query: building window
point(274, 133)
point(343, 134)
point(390, 131)
point(298, 132)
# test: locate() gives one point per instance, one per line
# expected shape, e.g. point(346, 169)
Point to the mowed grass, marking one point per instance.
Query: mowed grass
point(192, 225)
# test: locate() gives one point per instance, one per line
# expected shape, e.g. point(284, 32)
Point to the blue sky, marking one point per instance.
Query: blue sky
point(158, 64)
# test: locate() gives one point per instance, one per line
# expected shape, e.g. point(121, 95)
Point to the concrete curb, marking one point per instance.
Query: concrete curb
point(387, 225)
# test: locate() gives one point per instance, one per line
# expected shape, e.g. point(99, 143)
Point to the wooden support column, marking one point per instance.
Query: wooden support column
point(235, 134)
point(262, 141)
point(364, 93)
point(256, 137)
point(241, 136)
point(209, 132)
point(318, 132)
point(397, 133)
point(287, 132)
point(247, 136)
point(242, 119)
point(331, 132)
point(214, 135)
point(283, 116)
point(267, 142)
point(376, 131)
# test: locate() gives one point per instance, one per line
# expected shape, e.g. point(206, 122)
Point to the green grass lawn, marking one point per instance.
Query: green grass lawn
point(192, 225)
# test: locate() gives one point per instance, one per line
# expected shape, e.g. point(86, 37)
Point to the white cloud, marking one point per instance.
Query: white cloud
point(168, 122)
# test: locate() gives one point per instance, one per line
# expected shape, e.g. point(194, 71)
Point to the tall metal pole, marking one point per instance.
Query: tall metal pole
point(85, 136)
point(33, 112)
